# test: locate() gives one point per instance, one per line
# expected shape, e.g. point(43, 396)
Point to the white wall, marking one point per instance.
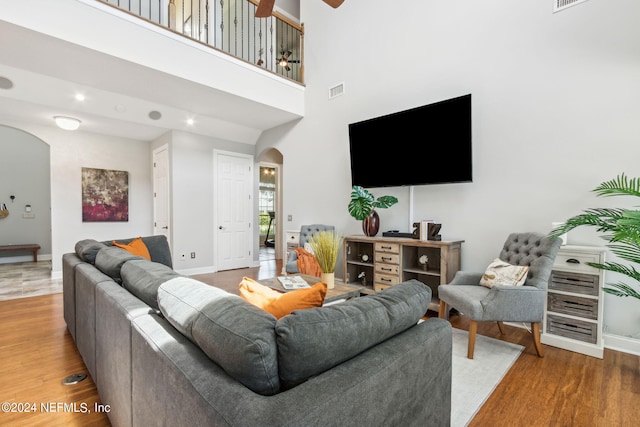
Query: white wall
point(192, 205)
point(70, 152)
point(555, 112)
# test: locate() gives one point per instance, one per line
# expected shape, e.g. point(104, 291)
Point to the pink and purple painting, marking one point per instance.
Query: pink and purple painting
point(105, 195)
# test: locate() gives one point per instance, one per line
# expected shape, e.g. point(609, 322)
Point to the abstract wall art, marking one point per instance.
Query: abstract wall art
point(105, 195)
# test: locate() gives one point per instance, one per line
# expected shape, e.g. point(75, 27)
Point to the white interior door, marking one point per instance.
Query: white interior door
point(161, 216)
point(233, 209)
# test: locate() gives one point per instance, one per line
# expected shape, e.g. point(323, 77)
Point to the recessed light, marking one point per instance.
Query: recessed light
point(5, 83)
point(80, 97)
point(190, 122)
point(120, 108)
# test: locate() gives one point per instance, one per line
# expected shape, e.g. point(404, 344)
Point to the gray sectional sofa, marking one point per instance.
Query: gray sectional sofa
point(164, 349)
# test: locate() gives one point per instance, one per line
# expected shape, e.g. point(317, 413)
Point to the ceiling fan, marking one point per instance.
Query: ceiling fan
point(265, 7)
point(284, 60)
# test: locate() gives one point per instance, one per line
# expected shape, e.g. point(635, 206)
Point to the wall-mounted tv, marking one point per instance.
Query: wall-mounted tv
point(424, 145)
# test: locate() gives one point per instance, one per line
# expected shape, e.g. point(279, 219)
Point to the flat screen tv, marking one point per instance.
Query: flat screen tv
point(424, 145)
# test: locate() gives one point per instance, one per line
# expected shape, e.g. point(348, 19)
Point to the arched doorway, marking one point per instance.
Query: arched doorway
point(25, 189)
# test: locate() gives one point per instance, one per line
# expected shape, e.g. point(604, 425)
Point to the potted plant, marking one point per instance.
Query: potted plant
point(326, 247)
point(622, 228)
point(363, 207)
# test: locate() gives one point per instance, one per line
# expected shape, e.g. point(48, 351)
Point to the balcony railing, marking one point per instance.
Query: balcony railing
point(274, 43)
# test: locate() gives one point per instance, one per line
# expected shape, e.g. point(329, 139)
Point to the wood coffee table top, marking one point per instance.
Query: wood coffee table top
point(341, 290)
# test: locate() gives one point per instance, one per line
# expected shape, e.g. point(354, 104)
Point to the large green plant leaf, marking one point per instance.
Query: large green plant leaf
point(385, 202)
point(361, 203)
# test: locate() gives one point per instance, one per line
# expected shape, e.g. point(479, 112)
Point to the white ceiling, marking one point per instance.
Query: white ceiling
point(47, 73)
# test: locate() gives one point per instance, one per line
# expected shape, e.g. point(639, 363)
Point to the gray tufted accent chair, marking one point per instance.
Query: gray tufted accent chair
point(306, 231)
point(505, 303)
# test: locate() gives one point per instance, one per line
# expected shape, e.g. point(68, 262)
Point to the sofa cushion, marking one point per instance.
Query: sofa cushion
point(143, 278)
point(233, 333)
point(315, 340)
point(280, 304)
point(88, 249)
point(136, 247)
point(110, 260)
point(158, 247)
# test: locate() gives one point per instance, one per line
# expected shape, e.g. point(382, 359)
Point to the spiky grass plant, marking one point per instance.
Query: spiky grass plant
point(326, 247)
point(621, 228)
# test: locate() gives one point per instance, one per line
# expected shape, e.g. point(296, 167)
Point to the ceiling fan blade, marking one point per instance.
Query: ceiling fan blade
point(333, 3)
point(264, 9)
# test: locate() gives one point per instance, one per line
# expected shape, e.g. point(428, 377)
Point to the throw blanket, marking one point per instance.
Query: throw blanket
point(307, 263)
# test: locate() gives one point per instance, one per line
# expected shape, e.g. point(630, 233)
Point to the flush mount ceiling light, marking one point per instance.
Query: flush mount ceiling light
point(67, 123)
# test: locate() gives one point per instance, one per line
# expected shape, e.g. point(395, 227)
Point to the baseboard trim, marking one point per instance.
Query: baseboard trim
point(623, 344)
point(198, 270)
point(24, 258)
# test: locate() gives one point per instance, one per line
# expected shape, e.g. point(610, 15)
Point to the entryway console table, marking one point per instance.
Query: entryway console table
point(380, 262)
point(573, 315)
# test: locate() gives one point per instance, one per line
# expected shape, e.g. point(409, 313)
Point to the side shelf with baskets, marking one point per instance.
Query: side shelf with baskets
point(573, 317)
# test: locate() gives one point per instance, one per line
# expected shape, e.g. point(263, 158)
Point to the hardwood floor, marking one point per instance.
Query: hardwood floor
point(561, 389)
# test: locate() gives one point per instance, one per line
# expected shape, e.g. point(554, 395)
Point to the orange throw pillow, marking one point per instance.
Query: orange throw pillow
point(280, 304)
point(136, 247)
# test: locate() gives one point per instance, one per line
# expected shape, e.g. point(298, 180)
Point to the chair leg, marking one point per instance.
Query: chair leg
point(443, 310)
point(501, 327)
point(535, 331)
point(473, 328)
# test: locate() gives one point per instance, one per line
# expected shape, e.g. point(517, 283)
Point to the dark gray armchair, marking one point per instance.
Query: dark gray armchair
point(306, 231)
point(505, 303)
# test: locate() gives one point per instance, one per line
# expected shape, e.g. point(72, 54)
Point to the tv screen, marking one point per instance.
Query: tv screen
point(424, 145)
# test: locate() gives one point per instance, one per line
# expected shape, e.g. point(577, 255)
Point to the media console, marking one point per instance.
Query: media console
point(380, 262)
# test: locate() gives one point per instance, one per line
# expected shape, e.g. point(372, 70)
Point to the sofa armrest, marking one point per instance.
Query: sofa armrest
point(410, 374)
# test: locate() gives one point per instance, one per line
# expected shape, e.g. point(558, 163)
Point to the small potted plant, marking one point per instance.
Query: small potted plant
point(363, 207)
point(326, 247)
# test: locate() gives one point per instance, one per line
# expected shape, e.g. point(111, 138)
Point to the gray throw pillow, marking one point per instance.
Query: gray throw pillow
point(314, 340)
point(233, 333)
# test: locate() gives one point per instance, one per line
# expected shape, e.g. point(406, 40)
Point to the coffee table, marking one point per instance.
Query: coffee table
point(340, 291)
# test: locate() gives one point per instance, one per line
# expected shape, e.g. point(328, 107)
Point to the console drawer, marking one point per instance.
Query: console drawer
point(387, 258)
point(572, 328)
point(388, 269)
point(578, 283)
point(393, 248)
point(573, 305)
point(383, 279)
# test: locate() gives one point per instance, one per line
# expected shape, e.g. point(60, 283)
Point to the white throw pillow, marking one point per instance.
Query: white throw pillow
point(503, 273)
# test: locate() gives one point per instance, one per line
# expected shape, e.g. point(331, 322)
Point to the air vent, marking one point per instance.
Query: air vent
point(337, 90)
point(559, 5)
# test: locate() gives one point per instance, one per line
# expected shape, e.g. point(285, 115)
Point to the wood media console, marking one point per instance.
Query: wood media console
point(380, 262)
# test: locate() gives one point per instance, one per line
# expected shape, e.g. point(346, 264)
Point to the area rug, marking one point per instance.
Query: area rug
point(475, 379)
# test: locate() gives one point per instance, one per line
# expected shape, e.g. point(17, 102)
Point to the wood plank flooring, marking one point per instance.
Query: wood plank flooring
point(561, 389)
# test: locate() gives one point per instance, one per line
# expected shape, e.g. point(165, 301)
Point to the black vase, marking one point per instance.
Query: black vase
point(371, 224)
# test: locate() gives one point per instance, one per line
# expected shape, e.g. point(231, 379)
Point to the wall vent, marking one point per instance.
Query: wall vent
point(559, 5)
point(336, 90)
